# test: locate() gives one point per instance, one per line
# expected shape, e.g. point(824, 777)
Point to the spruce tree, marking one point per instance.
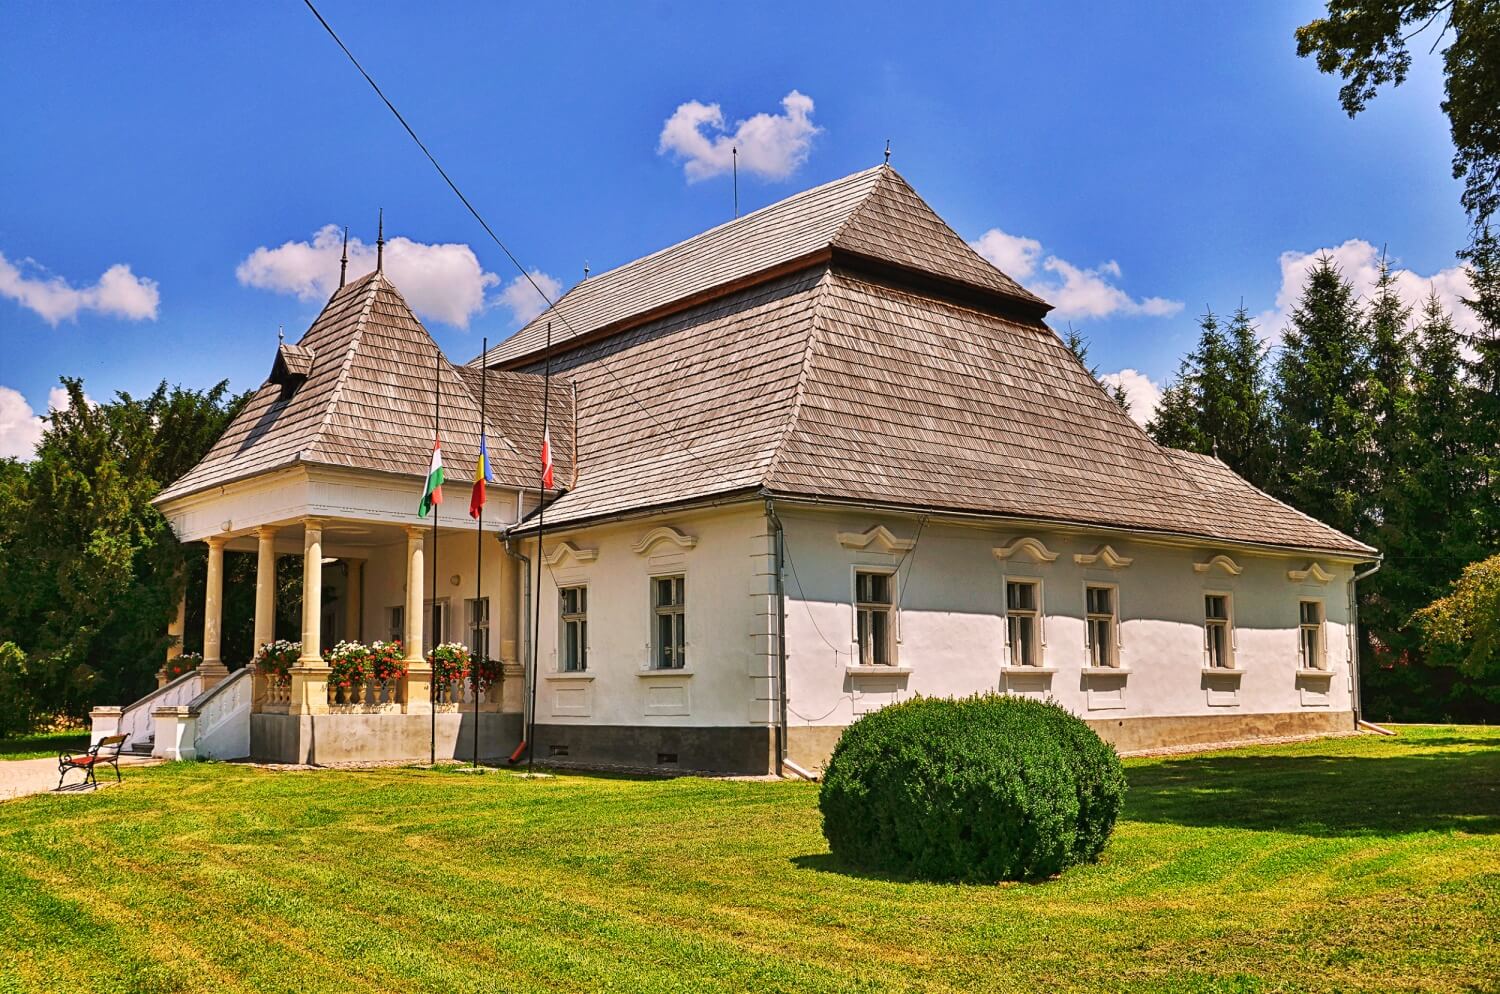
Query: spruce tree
point(1483, 375)
point(1247, 446)
point(1175, 423)
point(1389, 391)
point(1323, 427)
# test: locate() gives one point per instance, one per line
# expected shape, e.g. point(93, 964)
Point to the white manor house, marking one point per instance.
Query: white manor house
point(810, 462)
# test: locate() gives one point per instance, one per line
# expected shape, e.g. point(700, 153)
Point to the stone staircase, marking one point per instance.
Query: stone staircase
point(193, 722)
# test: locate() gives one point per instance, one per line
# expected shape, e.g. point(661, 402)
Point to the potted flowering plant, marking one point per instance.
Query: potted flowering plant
point(387, 661)
point(450, 663)
point(349, 666)
point(184, 663)
point(275, 660)
point(485, 672)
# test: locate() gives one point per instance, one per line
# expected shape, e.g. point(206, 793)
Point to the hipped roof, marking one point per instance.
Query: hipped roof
point(367, 404)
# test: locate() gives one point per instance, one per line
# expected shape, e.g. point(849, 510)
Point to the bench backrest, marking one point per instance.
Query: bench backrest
point(114, 741)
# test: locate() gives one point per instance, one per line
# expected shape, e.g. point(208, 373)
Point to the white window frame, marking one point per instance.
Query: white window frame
point(654, 661)
point(1229, 630)
point(1321, 642)
point(893, 613)
point(564, 619)
point(1089, 617)
point(483, 630)
point(1039, 614)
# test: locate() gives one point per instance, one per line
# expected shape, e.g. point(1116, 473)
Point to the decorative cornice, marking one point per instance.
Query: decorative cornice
point(879, 535)
point(1313, 572)
point(663, 533)
point(1033, 548)
point(1223, 562)
point(564, 549)
point(1105, 555)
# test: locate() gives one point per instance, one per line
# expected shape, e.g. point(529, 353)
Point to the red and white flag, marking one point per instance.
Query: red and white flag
point(547, 459)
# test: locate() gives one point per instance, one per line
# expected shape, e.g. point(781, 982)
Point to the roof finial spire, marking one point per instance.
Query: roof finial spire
point(280, 334)
point(585, 269)
point(734, 161)
point(344, 262)
point(380, 244)
point(887, 151)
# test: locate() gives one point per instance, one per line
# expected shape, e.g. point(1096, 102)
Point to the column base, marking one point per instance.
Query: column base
point(512, 688)
point(212, 672)
point(309, 690)
point(416, 696)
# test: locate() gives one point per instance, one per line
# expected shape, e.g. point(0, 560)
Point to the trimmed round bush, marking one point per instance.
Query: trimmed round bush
point(981, 789)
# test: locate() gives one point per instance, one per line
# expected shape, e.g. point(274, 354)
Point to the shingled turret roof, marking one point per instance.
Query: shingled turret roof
point(363, 397)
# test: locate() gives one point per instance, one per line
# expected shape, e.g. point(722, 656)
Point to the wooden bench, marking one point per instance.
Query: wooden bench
point(106, 752)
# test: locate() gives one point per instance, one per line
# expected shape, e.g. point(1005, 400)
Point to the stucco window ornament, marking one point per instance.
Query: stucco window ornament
point(1025, 547)
point(563, 550)
point(1104, 556)
point(1312, 574)
point(877, 539)
point(663, 533)
point(1223, 562)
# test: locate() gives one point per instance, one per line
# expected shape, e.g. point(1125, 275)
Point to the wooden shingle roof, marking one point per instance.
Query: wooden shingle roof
point(873, 214)
point(366, 402)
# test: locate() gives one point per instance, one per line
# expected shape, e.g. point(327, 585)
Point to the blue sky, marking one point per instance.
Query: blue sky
point(1136, 162)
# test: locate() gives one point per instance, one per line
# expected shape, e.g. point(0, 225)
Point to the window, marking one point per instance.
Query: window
point(1023, 621)
point(1217, 627)
point(874, 615)
point(478, 612)
point(668, 601)
point(437, 628)
point(573, 656)
point(1100, 608)
point(1310, 647)
point(397, 628)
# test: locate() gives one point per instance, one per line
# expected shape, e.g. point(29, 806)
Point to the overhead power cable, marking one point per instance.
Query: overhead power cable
point(551, 305)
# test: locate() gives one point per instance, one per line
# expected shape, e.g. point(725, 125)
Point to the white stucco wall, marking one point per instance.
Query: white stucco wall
point(952, 631)
point(724, 556)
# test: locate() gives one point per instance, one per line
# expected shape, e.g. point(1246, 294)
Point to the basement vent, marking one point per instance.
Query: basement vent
point(557, 751)
point(666, 759)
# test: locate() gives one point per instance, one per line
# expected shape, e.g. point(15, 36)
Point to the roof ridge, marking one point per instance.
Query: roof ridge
point(864, 202)
point(800, 391)
point(336, 394)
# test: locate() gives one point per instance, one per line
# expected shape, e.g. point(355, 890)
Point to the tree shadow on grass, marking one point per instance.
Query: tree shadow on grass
point(1332, 796)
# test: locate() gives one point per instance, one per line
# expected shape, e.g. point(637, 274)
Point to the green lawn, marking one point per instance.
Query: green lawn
point(1353, 864)
point(44, 745)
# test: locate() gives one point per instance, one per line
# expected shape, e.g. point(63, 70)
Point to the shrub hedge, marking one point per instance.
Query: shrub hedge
point(981, 789)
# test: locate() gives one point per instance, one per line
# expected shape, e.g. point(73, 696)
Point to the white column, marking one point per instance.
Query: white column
point(265, 586)
point(417, 696)
point(212, 668)
point(309, 674)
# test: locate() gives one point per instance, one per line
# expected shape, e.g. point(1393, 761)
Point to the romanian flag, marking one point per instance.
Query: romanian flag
point(547, 459)
point(433, 495)
point(481, 477)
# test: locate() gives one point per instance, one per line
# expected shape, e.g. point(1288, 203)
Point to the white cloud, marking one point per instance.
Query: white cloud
point(118, 293)
point(443, 282)
point(20, 426)
point(1074, 291)
point(770, 145)
point(523, 300)
point(58, 400)
point(1143, 394)
point(1359, 262)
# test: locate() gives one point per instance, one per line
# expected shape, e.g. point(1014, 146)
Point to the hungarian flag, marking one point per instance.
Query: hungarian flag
point(481, 477)
point(433, 495)
point(547, 459)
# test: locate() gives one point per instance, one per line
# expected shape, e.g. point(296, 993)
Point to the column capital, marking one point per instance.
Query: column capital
point(267, 531)
point(314, 523)
point(416, 531)
point(216, 541)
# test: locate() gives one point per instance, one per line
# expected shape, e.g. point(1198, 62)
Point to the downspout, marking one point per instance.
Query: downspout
point(781, 705)
point(1354, 638)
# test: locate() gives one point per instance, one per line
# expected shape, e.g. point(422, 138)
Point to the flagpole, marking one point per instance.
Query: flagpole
point(481, 467)
point(541, 498)
point(437, 400)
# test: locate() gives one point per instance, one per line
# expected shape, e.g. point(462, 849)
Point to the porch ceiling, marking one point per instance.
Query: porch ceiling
point(341, 537)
